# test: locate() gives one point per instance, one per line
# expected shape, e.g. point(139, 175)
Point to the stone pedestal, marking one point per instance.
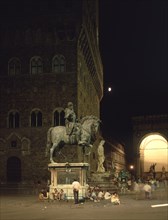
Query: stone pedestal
point(63, 174)
point(104, 180)
point(70, 153)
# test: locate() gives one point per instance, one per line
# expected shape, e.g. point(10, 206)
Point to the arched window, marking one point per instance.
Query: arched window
point(59, 117)
point(36, 118)
point(62, 64)
point(14, 67)
point(13, 119)
point(14, 144)
point(62, 118)
point(36, 65)
point(55, 64)
point(58, 64)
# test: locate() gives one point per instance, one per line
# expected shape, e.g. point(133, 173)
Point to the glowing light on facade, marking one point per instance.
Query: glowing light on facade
point(154, 149)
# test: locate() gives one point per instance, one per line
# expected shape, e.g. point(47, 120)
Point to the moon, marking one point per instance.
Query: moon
point(109, 89)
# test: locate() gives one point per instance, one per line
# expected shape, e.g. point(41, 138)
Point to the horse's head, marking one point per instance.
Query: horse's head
point(95, 127)
point(89, 129)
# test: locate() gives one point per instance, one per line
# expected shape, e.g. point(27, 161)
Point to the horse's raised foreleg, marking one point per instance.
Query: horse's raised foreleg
point(85, 139)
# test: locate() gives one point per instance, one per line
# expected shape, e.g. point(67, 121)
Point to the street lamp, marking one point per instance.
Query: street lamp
point(131, 167)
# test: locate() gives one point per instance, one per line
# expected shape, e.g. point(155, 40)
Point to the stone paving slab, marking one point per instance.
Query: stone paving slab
point(27, 207)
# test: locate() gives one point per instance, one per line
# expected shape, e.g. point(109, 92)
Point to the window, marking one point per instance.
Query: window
point(14, 67)
point(58, 64)
point(62, 64)
point(36, 119)
point(13, 119)
point(59, 117)
point(13, 144)
point(36, 65)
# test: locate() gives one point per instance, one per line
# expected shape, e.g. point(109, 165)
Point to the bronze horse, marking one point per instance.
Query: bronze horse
point(86, 131)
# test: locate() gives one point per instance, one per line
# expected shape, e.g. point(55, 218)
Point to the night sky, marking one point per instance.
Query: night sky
point(133, 45)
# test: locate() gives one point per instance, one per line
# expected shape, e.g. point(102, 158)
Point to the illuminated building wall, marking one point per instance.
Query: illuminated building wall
point(154, 149)
point(150, 143)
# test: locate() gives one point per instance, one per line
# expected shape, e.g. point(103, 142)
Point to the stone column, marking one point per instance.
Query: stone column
point(138, 172)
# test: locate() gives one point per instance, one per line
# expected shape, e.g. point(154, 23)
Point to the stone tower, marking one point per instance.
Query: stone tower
point(49, 55)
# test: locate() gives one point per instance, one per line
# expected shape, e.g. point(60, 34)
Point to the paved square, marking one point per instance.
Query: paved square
point(27, 207)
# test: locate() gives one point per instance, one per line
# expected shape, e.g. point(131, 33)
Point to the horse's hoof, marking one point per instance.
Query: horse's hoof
point(53, 161)
point(82, 143)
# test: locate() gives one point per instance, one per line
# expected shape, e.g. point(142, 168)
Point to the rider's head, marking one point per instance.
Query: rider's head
point(70, 104)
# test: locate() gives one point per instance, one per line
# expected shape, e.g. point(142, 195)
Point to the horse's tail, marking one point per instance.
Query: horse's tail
point(49, 142)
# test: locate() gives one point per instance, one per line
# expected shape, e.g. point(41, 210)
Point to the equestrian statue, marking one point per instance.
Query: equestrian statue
point(82, 133)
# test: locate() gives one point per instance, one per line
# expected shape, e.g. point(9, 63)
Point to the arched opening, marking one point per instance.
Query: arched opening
point(13, 169)
point(36, 118)
point(153, 150)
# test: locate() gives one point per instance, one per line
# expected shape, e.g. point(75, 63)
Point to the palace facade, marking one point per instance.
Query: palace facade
point(49, 55)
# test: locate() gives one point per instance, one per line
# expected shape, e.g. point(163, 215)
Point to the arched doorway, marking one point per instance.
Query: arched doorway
point(153, 150)
point(13, 169)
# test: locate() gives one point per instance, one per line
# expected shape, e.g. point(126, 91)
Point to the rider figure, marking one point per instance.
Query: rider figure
point(72, 127)
point(70, 118)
